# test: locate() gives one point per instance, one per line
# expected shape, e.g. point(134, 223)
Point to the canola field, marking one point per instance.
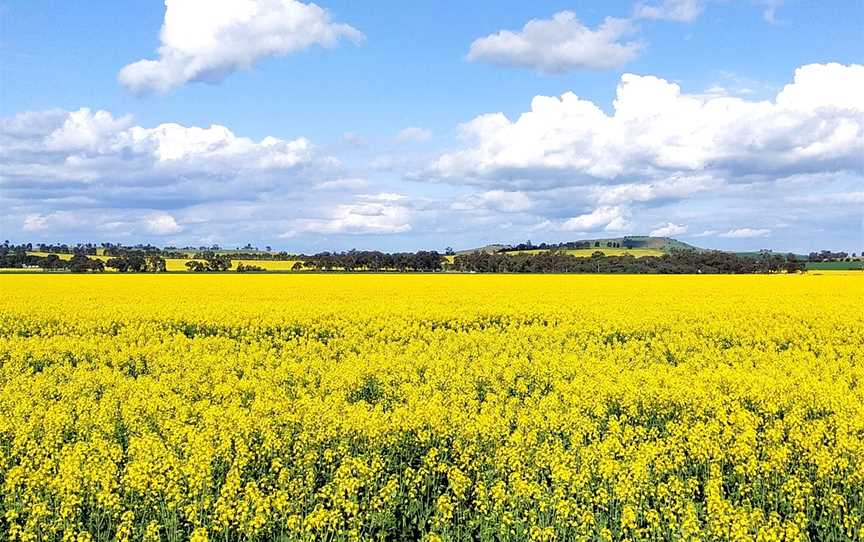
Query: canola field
point(431, 407)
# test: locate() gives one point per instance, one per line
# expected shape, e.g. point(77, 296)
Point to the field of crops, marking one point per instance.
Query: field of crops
point(431, 407)
point(857, 265)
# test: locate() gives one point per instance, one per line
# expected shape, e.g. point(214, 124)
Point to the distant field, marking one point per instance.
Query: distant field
point(43, 254)
point(269, 265)
point(837, 266)
point(587, 252)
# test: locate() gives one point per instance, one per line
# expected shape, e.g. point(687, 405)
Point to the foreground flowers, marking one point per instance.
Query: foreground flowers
point(431, 407)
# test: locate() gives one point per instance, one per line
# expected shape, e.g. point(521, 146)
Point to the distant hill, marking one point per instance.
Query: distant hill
point(488, 249)
point(645, 242)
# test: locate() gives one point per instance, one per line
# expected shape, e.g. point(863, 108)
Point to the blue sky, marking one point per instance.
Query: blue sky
point(377, 125)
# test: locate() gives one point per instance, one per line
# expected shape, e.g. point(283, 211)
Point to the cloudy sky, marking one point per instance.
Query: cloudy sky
point(735, 124)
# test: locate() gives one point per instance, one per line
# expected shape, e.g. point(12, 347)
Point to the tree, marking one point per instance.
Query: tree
point(195, 266)
point(247, 268)
point(298, 266)
point(155, 264)
point(120, 264)
point(792, 264)
point(82, 264)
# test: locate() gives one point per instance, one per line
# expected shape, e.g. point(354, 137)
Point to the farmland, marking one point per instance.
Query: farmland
point(431, 407)
point(837, 266)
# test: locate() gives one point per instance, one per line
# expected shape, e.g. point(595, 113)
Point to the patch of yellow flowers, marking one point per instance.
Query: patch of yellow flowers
point(437, 408)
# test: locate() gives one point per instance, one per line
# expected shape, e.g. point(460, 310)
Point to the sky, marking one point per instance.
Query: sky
point(728, 124)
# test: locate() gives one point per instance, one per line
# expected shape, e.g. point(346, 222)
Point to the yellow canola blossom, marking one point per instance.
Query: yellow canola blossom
point(431, 407)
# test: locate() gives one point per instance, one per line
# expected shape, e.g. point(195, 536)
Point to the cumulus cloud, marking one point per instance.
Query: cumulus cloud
point(815, 124)
point(745, 233)
point(384, 213)
point(207, 40)
point(670, 10)
point(495, 200)
point(605, 218)
point(84, 173)
point(343, 184)
point(162, 224)
point(105, 158)
point(413, 134)
point(559, 45)
point(669, 230)
point(676, 186)
point(512, 202)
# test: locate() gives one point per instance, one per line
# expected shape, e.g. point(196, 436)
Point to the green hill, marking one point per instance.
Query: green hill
point(663, 244)
point(644, 243)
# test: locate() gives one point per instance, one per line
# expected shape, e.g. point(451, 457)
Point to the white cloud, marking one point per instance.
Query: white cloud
point(343, 184)
point(676, 186)
point(670, 10)
point(162, 224)
point(816, 123)
point(80, 173)
point(207, 40)
point(494, 200)
point(105, 157)
point(605, 218)
point(706, 233)
point(685, 11)
point(511, 202)
point(413, 134)
point(35, 222)
point(384, 213)
point(669, 230)
point(559, 45)
point(745, 233)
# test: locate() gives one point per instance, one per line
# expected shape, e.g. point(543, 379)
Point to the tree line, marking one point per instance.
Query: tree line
point(79, 263)
point(678, 262)
point(374, 261)
point(829, 256)
point(552, 261)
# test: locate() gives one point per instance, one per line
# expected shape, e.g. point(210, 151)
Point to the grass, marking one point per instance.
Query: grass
point(836, 266)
